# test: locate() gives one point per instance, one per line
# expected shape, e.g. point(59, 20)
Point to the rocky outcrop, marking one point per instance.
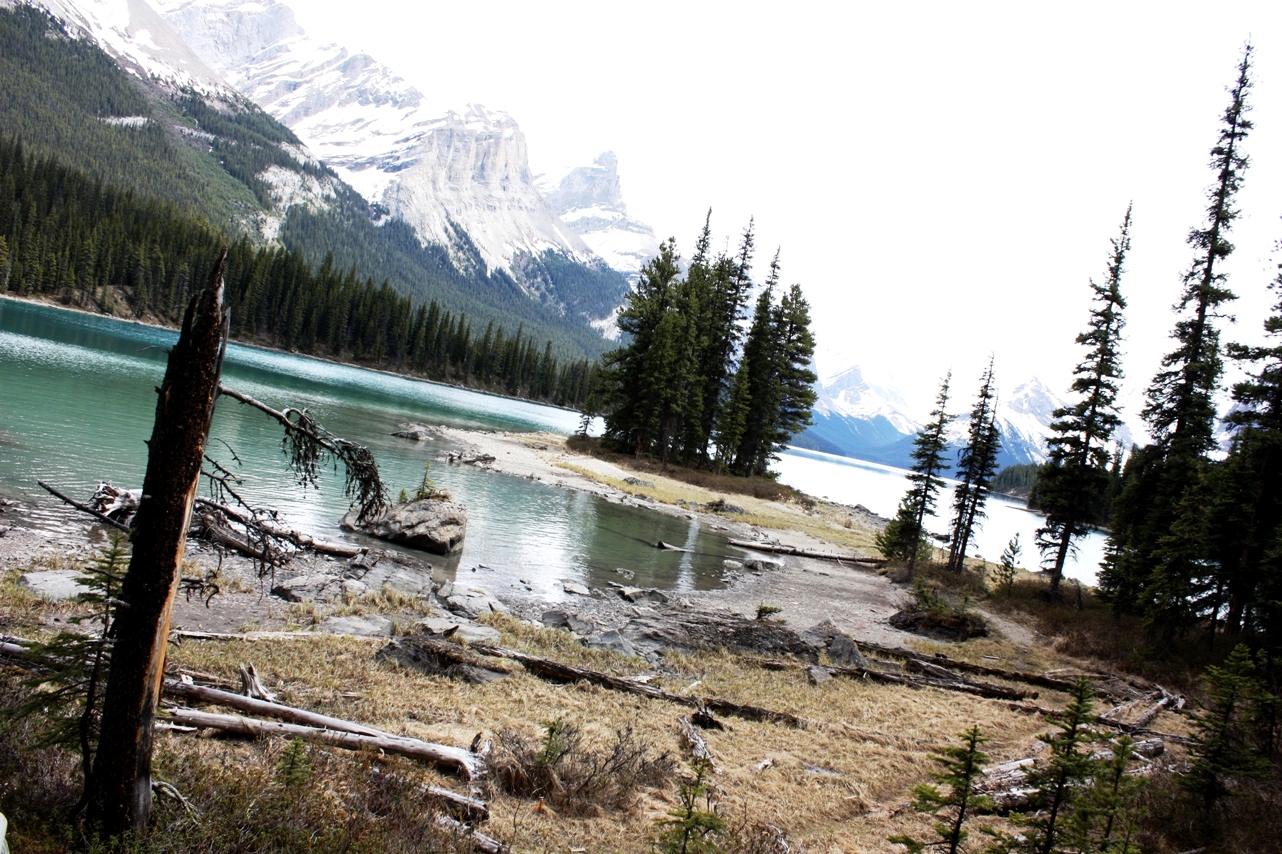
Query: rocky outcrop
point(430, 524)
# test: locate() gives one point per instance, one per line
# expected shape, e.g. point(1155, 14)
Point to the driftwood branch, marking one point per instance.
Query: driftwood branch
point(697, 743)
point(555, 671)
point(979, 689)
point(479, 841)
point(84, 508)
point(454, 758)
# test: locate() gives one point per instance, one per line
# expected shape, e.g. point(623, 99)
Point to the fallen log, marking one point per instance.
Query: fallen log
point(84, 508)
point(473, 809)
point(979, 689)
point(254, 706)
point(697, 743)
point(479, 841)
point(454, 758)
point(299, 539)
point(439, 658)
point(555, 671)
point(809, 553)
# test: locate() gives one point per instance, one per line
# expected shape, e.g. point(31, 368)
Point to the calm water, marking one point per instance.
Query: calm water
point(879, 488)
point(77, 400)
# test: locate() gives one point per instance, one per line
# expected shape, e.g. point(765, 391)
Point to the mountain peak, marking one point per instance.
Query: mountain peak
point(589, 200)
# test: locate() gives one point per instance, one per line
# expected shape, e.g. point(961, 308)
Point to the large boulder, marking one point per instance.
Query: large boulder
point(430, 524)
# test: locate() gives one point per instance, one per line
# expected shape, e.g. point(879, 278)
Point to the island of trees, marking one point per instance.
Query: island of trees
point(692, 385)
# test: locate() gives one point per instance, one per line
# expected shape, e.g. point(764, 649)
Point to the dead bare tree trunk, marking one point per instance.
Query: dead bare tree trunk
point(119, 787)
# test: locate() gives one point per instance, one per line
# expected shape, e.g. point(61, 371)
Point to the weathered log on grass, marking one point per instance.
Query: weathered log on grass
point(964, 686)
point(479, 841)
point(439, 658)
point(473, 809)
point(263, 708)
point(555, 671)
point(459, 759)
point(84, 508)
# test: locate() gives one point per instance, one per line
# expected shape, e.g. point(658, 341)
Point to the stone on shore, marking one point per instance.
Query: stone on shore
point(575, 588)
point(430, 524)
point(54, 583)
point(370, 626)
point(840, 647)
point(763, 564)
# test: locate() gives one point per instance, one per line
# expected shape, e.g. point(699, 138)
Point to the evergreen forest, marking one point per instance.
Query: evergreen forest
point(692, 386)
point(86, 244)
point(68, 101)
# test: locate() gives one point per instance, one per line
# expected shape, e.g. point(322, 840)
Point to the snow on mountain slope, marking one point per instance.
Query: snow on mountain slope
point(140, 40)
point(440, 171)
point(849, 395)
point(589, 200)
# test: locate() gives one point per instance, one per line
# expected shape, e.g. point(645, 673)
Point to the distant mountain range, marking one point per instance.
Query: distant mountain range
point(859, 419)
point(364, 159)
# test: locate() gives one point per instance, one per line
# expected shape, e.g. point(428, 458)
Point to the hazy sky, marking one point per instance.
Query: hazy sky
point(943, 178)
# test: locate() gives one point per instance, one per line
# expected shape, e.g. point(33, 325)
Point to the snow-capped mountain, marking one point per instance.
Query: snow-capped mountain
point(589, 200)
point(142, 43)
point(855, 418)
point(140, 40)
point(459, 178)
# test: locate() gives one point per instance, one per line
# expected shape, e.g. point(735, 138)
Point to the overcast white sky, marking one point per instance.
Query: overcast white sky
point(943, 178)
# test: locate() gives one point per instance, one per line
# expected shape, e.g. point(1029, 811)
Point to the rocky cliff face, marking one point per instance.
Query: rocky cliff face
point(589, 199)
point(458, 178)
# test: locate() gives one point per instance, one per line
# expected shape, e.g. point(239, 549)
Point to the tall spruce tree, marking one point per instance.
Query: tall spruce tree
point(1249, 529)
point(976, 467)
point(1159, 562)
point(1075, 480)
point(904, 538)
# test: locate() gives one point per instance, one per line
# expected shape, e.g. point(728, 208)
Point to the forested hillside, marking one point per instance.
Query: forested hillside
point(64, 235)
point(64, 98)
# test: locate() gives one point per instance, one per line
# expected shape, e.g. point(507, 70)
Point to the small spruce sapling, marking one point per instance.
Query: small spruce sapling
point(68, 695)
point(1059, 781)
point(960, 767)
point(1004, 572)
point(1221, 748)
point(1107, 813)
point(694, 826)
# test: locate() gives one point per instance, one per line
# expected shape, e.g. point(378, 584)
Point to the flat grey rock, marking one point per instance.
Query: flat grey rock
point(840, 647)
point(472, 603)
point(818, 675)
point(763, 564)
point(559, 619)
point(643, 596)
point(575, 588)
point(470, 632)
point(53, 584)
point(732, 565)
point(370, 626)
point(612, 641)
point(309, 588)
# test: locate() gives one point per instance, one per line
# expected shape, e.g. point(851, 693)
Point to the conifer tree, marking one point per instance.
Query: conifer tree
point(1221, 749)
point(960, 768)
point(1107, 813)
point(1072, 483)
point(1250, 526)
point(1152, 512)
point(1004, 573)
point(976, 467)
point(904, 538)
point(1058, 781)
